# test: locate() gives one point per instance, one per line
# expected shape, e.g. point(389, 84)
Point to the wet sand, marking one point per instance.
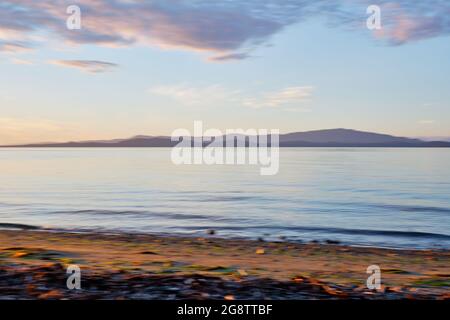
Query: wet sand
point(131, 266)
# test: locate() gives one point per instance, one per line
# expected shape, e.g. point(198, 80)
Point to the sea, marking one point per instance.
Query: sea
point(380, 197)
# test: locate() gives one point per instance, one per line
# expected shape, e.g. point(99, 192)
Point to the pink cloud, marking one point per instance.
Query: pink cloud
point(401, 24)
point(91, 66)
point(228, 30)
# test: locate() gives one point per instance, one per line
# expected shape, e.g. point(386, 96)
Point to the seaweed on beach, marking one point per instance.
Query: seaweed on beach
point(48, 282)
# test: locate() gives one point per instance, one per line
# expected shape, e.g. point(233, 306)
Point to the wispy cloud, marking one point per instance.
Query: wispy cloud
point(227, 30)
point(91, 66)
point(285, 97)
point(290, 97)
point(13, 47)
point(197, 96)
point(229, 57)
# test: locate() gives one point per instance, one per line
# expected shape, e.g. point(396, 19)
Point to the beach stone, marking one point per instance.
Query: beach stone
point(53, 294)
point(242, 272)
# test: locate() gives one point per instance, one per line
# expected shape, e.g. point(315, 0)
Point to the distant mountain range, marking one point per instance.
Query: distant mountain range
point(317, 138)
point(442, 138)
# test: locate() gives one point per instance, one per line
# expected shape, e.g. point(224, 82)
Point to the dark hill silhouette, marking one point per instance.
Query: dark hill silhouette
point(317, 138)
point(344, 136)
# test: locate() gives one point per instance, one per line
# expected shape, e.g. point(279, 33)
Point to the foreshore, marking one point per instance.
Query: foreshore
point(33, 265)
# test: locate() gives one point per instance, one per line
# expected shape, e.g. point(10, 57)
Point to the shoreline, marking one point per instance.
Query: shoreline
point(214, 234)
point(33, 265)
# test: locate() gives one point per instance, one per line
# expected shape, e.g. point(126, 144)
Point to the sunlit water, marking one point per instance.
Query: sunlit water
point(378, 197)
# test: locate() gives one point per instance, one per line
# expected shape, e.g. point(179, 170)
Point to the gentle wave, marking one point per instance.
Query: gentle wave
point(406, 208)
point(166, 215)
point(18, 226)
point(391, 233)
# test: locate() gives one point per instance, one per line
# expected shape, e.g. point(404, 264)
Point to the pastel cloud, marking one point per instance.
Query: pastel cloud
point(197, 96)
point(289, 97)
point(13, 47)
point(227, 30)
point(404, 22)
point(229, 57)
point(91, 66)
point(209, 26)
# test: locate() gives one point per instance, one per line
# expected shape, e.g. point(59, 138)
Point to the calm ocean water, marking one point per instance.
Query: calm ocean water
point(363, 196)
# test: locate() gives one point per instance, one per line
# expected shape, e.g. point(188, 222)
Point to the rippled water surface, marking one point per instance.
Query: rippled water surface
point(373, 196)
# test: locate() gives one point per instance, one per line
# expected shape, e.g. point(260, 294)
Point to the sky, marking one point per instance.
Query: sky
point(150, 67)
